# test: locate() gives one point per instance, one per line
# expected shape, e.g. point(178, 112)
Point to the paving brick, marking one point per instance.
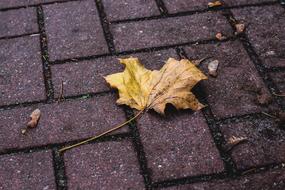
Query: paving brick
point(87, 76)
point(21, 76)
point(278, 78)
point(266, 142)
point(265, 30)
point(129, 9)
point(273, 180)
point(107, 165)
point(175, 6)
point(17, 22)
point(74, 30)
point(178, 145)
point(245, 2)
point(18, 3)
point(27, 171)
point(168, 31)
point(66, 121)
point(234, 91)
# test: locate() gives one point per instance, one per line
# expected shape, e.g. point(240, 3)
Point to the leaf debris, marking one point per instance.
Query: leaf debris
point(213, 67)
point(215, 4)
point(35, 117)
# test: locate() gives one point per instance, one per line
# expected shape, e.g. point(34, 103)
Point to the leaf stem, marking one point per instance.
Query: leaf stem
point(102, 134)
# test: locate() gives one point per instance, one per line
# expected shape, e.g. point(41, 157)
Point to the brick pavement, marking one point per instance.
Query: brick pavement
point(49, 44)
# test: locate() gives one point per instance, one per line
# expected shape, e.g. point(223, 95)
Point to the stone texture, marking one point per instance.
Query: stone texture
point(175, 6)
point(129, 9)
point(168, 31)
point(17, 22)
point(278, 78)
point(106, 165)
point(21, 75)
point(66, 121)
point(87, 76)
point(273, 180)
point(265, 145)
point(265, 30)
point(234, 91)
point(18, 3)
point(27, 171)
point(74, 30)
point(178, 145)
point(245, 2)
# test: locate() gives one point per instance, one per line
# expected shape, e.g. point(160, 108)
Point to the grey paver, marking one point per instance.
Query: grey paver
point(175, 6)
point(18, 22)
point(66, 121)
point(87, 76)
point(265, 30)
point(264, 146)
point(106, 165)
point(169, 31)
point(273, 180)
point(129, 9)
point(18, 3)
point(21, 75)
point(236, 88)
point(27, 171)
point(74, 30)
point(178, 145)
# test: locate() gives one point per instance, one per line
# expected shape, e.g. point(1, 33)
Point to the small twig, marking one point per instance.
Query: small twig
point(102, 134)
point(61, 93)
point(269, 115)
point(279, 95)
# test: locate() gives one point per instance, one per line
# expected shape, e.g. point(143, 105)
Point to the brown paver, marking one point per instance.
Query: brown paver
point(129, 9)
point(106, 165)
point(66, 121)
point(178, 145)
point(265, 30)
point(21, 76)
point(265, 145)
point(169, 31)
point(234, 91)
point(273, 180)
point(87, 76)
point(27, 171)
point(18, 22)
point(74, 29)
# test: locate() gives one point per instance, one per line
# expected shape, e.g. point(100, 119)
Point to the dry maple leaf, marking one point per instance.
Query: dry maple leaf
point(142, 89)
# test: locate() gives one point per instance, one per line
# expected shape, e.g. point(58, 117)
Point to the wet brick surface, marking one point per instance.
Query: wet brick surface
point(21, 76)
point(107, 165)
point(17, 22)
point(73, 29)
point(173, 151)
point(142, 34)
point(129, 9)
point(27, 171)
point(234, 91)
point(67, 121)
point(260, 24)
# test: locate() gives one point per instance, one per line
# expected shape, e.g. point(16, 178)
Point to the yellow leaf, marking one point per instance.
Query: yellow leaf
point(141, 88)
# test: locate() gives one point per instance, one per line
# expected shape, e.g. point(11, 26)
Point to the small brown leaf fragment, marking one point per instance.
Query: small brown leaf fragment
point(214, 4)
point(220, 36)
point(240, 27)
point(213, 67)
point(263, 98)
point(35, 116)
point(234, 141)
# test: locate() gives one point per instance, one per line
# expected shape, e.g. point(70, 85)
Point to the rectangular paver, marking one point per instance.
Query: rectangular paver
point(273, 180)
point(265, 30)
point(87, 76)
point(129, 9)
point(18, 22)
point(236, 88)
point(74, 30)
point(19, 3)
point(21, 75)
point(264, 146)
point(168, 31)
point(106, 165)
point(178, 145)
point(27, 171)
point(66, 121)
